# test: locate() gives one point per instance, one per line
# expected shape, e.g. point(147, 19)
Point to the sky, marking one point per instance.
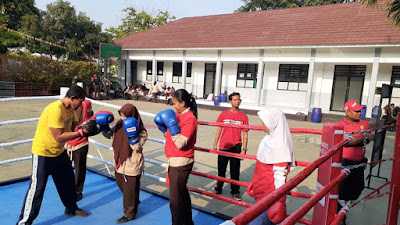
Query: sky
point(109, 12)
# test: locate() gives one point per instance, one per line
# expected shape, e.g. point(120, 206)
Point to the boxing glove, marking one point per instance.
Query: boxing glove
point(159, 122)
point(277, 212)
point(104, 118)
point(90, 127)
point(169, 120)
point(86, 110)
point(131, 127)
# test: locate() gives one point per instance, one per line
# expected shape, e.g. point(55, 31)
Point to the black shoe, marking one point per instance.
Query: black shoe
point(237, 197)
point(216, 191)
point(123, 219)
point(78, 212)
point(79, 197)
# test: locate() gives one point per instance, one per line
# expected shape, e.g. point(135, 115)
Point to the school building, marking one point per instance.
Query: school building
point(296, 58)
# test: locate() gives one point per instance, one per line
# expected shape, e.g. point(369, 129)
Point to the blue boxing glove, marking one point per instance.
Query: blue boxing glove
point(131, 126)
point(159, 122)
point(169, 120)
point(104, 118)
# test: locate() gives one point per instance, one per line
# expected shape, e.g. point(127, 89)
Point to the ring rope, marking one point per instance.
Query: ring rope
point(268, 200)
point(9, 122)
point(15, 160)
point(38, 98)
point(294, 217)
point(255, 127)
point(340, 216)
point(372, 129)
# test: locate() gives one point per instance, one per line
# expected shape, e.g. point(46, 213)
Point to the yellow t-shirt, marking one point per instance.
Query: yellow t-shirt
point(57, 116)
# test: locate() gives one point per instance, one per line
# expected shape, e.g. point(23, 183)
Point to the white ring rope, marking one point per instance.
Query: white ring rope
point(9, 122)
point(157, 140)
point(29, 98)
point(119, 107)
point(15, 160)
point(14, 143)
point(161, 179)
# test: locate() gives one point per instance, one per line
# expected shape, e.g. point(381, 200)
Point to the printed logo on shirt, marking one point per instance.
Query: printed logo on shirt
point(362, 127)
point(69, 120)
point(233, 121)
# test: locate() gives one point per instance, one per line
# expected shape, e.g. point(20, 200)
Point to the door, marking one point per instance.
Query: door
point(348, 85)
point(209, 79)
point(133, 72)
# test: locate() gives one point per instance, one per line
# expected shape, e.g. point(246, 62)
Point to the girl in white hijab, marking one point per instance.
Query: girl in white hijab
point(274, 158)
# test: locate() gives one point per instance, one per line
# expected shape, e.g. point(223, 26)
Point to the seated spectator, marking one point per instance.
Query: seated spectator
point(128, 92)
point(169, 101)
point(138, 93)
point(167, 92)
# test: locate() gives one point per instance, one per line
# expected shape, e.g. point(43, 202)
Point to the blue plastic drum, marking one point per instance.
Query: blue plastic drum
point(316, 115)
point(375, 112)
point(223, 97)
point(363, 112)
point(216, 100)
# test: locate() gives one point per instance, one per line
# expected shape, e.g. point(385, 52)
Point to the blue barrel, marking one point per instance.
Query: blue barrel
point(223, 97)
point(216, 100)
point(363, 112)
point(316, 115)
point(375, 112)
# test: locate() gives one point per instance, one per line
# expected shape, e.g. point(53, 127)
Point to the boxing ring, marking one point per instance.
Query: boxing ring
point(324, 202)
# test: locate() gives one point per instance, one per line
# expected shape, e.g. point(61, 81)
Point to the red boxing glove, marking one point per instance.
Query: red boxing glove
point(277, 212)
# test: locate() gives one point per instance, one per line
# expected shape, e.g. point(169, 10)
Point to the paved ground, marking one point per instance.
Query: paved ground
point(306, 149)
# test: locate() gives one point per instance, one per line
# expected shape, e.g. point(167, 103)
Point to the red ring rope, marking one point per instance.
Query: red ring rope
point(253, 127)
point(270, 199)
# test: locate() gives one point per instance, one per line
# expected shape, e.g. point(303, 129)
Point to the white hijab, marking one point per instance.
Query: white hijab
point(276, 146)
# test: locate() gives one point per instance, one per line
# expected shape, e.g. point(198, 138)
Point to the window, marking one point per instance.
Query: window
point(247, 75)
point(177, 72)
point(149, 71)
point(160, 71)
point(293, 77)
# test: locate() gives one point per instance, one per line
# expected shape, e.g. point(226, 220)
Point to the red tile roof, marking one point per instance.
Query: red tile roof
point(339, 24)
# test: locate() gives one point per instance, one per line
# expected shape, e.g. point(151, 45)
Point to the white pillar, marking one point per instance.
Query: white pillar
point(128, 72)
point(218, 76)
point(310, 80)
point(260, 75)
point(184, 70)
point(154, 68)
point(121, 72)
point(372, 83)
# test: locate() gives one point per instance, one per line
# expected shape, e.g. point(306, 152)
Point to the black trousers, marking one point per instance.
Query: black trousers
point(234, 166)
point(130, 191)
point(351, 187)
point(179, 198)
point(63, 176)
point(80, 158)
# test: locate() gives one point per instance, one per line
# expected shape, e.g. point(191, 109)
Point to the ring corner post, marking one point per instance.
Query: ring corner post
point(325, 210)
point(394, 199)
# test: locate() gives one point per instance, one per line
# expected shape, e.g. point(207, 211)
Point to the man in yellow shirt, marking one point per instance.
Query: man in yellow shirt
point(49, 157)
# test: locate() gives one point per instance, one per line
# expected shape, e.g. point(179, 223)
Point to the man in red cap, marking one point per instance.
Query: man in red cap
point(353, 152)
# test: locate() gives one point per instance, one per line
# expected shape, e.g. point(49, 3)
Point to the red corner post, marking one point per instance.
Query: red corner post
point(325, 210)
point(394, 200)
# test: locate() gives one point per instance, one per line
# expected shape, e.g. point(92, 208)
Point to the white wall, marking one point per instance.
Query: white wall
point(325, 61)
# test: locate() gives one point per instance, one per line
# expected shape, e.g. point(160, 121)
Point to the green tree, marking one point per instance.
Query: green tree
point(135, 21)
point(11, 13)
point(15, 9)
point(61, 25)
point(257, 5)
point(392, 7)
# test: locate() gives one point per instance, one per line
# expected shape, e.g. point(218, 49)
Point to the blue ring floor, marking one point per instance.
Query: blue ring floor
point(101, 198)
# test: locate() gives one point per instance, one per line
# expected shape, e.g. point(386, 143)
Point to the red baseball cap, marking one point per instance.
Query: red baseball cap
point(353, 105)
